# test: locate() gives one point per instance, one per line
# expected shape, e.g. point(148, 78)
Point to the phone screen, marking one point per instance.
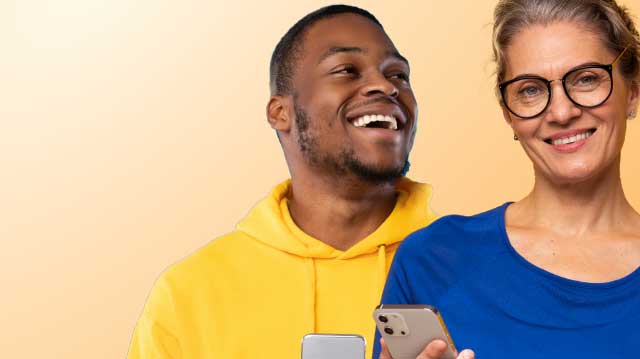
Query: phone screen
point(334, 346)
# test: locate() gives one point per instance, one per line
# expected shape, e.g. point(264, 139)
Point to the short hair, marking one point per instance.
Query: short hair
point(611, 21)
point(289, 48)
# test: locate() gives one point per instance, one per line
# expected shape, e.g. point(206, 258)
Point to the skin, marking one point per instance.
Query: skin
point(434, 350)
point(363, 74)
point(576, 222)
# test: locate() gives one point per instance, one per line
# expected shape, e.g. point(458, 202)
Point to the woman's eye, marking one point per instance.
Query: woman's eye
point(529, 91)
point(587, 80)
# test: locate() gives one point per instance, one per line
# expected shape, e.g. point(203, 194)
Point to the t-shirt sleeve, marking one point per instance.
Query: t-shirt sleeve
point(154, 336)
point(426, 265)
point(396, 291)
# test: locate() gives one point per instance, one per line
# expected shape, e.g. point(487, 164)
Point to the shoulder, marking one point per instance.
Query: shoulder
point(215, 256)
point(456, 232)
point(446, 252)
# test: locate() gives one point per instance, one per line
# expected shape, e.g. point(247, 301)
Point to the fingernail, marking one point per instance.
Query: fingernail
point(467, 354)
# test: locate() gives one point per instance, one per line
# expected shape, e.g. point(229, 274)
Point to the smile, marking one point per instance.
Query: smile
point(570, 139)
point(376, 121)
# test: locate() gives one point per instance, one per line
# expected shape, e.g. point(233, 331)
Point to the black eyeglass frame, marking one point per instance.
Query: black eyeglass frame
point(608, 68)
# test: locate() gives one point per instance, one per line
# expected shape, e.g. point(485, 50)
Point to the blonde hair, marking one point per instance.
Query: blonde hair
point(610, 20)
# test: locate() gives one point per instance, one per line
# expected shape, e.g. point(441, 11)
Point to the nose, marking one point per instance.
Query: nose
point(561, 109)
point(378, 84)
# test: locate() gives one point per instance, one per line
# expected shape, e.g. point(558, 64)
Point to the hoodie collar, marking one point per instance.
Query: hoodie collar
point(270, 222)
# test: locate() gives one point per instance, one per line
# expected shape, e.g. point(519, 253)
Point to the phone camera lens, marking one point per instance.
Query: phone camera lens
point(383, 319)
point(388, 330)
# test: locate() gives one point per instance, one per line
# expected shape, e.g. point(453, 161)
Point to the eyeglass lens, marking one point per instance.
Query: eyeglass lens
point(587, 87)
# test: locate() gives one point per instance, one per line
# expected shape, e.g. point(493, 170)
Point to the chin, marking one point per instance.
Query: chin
point(375, 173)
point(574, 175)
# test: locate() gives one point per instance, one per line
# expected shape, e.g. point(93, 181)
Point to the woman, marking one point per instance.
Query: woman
point(556, 274)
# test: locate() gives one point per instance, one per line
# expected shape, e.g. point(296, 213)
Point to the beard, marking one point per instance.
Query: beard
point(345, 162)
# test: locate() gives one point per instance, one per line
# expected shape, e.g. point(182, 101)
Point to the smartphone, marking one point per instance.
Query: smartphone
point(408, 328)
point(333, 346)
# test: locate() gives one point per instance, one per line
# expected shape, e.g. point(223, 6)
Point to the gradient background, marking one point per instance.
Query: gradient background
point(133, 132)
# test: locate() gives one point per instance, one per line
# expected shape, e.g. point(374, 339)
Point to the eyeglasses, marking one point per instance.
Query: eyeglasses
point(587, 86)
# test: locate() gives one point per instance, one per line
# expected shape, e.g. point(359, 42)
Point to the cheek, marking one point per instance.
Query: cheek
point(620, 134)
point(408, 100)
point(527, 132)
point(617, 106)
point(526, 129)
point(324, 113)
point(613, 118)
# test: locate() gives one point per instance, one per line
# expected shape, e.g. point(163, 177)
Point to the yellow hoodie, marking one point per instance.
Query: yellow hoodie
point(254, 293)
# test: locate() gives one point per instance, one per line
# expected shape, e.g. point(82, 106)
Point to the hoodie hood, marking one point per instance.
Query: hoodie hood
point(269, 222)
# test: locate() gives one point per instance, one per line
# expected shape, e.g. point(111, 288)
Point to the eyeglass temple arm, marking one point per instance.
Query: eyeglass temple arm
point(620, 56)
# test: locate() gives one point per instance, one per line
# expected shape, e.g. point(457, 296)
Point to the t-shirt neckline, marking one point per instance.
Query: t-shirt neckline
point(620, 282)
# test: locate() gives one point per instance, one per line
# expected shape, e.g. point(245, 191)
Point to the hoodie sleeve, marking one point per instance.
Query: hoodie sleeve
point(154, 336)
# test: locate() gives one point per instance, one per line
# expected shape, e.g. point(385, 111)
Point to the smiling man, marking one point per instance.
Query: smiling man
point(313, 256)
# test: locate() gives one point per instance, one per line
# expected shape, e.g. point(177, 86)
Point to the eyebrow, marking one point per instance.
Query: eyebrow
point(586, 64)
point(397, 55)
point(343, 49)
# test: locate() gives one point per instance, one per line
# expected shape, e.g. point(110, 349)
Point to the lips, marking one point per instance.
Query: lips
point(570, 137)
point(380, 115)
point(388, 122)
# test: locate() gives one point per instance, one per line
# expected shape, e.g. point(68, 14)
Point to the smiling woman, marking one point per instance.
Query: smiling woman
point(576, 135)
point(557, 272)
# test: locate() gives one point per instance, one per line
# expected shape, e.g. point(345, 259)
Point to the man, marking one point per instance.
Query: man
point(313, 255)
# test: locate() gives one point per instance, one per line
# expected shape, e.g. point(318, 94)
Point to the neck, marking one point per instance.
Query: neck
point(596, 205)
point(339, 212)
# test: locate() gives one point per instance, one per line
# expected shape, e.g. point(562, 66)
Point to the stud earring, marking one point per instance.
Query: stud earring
point(515, 137)
point(632, 115)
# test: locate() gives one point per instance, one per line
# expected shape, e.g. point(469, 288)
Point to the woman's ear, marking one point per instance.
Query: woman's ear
point(634, 97)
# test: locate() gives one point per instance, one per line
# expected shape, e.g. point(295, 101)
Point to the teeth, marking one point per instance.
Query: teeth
point(571, 139)
point(367, 119)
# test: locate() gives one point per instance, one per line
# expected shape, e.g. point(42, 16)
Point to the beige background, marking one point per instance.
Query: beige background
point(132, 132)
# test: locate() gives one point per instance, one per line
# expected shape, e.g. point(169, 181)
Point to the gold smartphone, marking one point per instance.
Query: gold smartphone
point(408, 328)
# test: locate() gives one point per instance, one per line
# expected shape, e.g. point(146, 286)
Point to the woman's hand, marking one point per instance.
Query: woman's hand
point(433, 350)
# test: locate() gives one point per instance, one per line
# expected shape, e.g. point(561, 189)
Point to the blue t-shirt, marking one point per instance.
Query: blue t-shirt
point(500, 305)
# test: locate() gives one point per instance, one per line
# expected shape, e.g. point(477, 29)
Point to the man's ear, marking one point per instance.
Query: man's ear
point(279, 114)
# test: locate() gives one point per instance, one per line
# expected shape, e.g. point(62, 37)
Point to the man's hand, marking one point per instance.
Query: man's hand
point(433, 350)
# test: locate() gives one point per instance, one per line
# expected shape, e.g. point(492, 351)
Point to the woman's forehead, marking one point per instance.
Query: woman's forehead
point(551, 50)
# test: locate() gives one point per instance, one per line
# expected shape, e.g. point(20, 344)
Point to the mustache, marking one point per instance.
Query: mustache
point(380, 99)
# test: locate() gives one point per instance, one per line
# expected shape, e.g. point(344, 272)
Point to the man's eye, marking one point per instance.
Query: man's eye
point(344, 71)
point(400, 76)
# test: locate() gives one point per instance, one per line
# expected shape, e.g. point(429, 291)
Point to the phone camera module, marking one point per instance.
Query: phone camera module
point(388, 330)
point(383, 319)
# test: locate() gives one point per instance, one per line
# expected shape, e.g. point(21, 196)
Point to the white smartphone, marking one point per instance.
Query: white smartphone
point(333, 346)
point(408, 328)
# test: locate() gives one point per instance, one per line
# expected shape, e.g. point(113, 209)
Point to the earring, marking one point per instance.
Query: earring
point(632, 115)
point(515, 137)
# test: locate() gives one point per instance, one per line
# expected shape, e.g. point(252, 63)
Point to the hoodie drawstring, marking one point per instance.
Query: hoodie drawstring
point(381, 273)
point(314, 291)
point(382, 268)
